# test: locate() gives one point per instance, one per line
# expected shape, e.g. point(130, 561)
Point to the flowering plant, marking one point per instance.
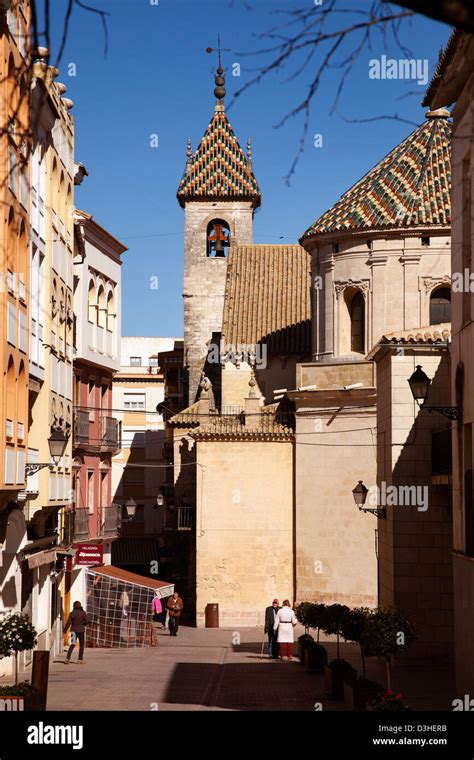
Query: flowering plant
point(23, 689)
point(389, 701)
point(17, 634)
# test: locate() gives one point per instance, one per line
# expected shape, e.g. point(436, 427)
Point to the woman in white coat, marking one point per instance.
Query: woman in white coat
point(285, 621)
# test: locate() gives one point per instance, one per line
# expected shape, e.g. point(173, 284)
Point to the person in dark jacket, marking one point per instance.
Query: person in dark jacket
point(270, 614)
point(174, 607)
point(77, 620)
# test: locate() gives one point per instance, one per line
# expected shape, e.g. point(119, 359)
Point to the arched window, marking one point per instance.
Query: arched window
point(440, 306)
point(218, 238)
point(101, 307)
point(110, 311)
point(91, 303)
point(357, 313)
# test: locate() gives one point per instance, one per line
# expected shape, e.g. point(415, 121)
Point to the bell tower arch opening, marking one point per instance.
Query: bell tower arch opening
point(218, 238)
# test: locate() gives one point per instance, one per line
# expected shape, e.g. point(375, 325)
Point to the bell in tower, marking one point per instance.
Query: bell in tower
point(218, 238)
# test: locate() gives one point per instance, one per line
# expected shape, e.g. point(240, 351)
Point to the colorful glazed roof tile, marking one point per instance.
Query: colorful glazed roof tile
point(219, 167)
point(268, 298)
point(409, 187)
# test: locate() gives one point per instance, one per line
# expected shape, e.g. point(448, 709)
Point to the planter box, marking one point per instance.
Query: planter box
point(18, 704)
point(357, 695)
point(302, 644)
point(334, 681)
point(316, 658)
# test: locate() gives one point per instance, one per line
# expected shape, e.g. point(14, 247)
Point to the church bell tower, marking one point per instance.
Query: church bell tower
point(219, 194)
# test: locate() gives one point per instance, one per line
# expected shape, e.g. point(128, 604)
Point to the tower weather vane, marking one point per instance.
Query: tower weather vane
point(219, 79)
point(219, 50)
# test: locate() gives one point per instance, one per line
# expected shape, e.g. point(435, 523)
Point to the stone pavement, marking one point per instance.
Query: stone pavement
point(202, 670)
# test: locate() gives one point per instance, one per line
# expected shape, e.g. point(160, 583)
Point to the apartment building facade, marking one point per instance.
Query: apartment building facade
point(94, 518)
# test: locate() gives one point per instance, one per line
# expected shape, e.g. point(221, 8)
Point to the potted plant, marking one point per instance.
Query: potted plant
point(21, 696)
point(388, 701)
point(387, 633)
point(316, 656)
point(302, 615)
point(17, 635)
point(359, 691)
point(339, 669)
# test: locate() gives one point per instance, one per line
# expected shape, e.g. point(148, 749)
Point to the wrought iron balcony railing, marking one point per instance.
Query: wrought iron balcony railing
point(96, 432)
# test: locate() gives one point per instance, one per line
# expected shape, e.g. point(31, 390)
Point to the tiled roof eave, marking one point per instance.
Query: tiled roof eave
point(418, 337)
point(377, 231)
point(254, 435)
point(185, 197)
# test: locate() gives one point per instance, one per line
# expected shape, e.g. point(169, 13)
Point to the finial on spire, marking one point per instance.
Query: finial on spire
point(189, 156)
point(249, 153)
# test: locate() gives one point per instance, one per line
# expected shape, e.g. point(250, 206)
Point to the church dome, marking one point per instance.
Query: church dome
point(410, 187)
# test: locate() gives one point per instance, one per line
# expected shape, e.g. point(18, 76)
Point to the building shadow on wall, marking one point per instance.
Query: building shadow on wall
point(414, 542)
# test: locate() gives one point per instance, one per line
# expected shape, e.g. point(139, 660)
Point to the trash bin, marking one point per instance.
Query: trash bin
point(212, 616)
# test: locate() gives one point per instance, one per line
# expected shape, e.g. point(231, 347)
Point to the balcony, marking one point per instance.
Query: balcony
point(81, 428)
point(110, 434)
point(111, 522)
point(96, 433)
point(76, 526)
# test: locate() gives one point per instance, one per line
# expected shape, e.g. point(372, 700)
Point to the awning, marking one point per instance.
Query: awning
point(165, 588)
point(41, 558)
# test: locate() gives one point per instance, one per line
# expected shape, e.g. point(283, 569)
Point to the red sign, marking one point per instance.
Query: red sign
point(89, 554)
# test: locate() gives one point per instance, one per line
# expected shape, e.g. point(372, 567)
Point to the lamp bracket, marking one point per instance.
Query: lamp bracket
point(451, 412)
point(31, 469)
point(378, 512)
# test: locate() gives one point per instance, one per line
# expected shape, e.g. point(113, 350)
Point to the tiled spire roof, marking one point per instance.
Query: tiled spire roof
point(409, 187)
point(219, 167)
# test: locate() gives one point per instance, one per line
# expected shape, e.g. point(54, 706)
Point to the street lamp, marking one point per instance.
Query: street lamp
point(57, 443)
point(131, 507)
point(360, 495)
point(419, 383)
point(160, 500)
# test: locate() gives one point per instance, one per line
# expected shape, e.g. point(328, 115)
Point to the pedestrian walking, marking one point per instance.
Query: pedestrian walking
point(285, 621)
point(156, 609)
point(270, 614)
point(77, 621)
point(175, 607)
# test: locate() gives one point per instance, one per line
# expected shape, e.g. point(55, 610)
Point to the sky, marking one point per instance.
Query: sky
point(136, 105)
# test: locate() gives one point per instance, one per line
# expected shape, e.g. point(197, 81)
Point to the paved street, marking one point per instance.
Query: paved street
point(202, 670)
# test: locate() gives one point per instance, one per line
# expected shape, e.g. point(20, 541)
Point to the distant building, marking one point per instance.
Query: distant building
point(140, 468)
point(95, 519)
